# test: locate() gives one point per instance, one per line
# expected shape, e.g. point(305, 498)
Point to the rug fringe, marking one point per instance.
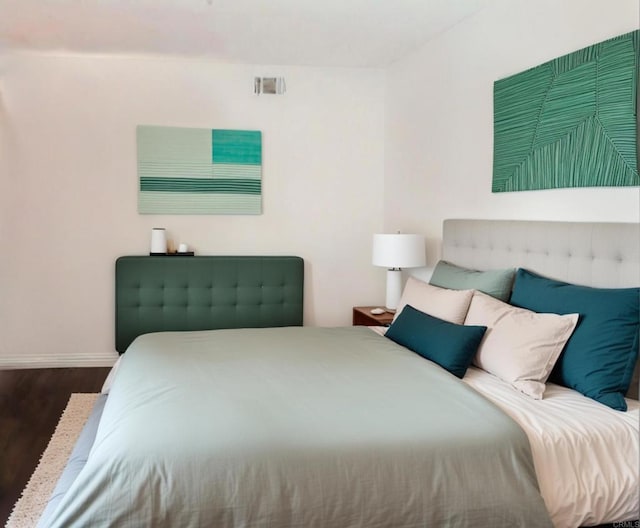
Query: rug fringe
point(35, 495)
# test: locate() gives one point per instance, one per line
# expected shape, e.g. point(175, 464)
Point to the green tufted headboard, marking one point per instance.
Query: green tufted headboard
point(155, 294)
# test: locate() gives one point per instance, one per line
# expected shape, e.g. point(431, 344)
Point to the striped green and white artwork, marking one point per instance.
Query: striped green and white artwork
point(199, 171)
point(570, 122)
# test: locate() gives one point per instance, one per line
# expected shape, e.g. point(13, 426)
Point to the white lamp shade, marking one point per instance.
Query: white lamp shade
point(398, 251)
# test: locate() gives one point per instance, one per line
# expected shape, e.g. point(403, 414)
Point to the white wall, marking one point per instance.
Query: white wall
point(341, 160)
point(69, 183)
point(439, 117)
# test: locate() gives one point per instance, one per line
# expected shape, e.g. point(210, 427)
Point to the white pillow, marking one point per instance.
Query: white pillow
point(450, 305)
point(520, 346)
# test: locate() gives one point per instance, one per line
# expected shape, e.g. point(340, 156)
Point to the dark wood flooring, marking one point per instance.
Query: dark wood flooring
point(31, 402)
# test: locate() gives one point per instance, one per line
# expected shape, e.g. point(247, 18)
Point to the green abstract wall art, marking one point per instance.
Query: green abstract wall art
point(199, 171)
point(570, 122)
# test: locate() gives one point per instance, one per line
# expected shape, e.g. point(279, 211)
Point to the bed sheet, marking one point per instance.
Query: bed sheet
point(586, 455)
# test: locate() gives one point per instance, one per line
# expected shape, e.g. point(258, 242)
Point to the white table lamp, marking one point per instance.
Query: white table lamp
point(395, 252)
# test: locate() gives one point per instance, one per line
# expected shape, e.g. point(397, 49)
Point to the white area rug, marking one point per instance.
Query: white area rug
point(36, 493)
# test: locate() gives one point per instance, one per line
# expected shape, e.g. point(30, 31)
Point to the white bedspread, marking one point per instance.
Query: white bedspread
point(586, 455)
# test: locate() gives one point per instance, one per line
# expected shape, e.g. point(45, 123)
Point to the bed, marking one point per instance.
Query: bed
point(299, 426)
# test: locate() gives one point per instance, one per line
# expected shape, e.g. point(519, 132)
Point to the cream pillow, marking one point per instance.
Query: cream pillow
point(450, 305)
point(520, 346)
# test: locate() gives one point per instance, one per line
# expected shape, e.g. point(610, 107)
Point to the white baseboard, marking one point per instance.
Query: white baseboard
point(33, 361)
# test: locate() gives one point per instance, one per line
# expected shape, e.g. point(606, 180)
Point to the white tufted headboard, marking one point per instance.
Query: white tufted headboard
point(604, 255)
point(588, 253)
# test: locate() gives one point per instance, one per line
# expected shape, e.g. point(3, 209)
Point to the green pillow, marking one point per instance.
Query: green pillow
point(496, 283)
point(450, 345)
point(600, 356)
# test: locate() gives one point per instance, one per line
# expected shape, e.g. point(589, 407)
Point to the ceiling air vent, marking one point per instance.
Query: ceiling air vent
point(269, 85)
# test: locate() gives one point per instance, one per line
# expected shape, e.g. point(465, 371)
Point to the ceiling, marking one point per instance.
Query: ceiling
point(353, 33)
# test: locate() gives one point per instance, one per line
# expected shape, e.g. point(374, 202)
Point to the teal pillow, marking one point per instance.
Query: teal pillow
point(449, 345)
point(496, 283)
point(600, 356)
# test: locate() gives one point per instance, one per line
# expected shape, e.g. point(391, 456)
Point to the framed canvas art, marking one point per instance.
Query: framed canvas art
point(570, 122)
point(199, 171)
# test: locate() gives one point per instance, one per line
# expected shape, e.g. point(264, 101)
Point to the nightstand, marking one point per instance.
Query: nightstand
point(362, 316)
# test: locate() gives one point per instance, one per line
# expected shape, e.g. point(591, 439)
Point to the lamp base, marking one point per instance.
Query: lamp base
point(394, 289)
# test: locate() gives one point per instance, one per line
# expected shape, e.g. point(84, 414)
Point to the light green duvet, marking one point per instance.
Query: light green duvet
point(298, 427)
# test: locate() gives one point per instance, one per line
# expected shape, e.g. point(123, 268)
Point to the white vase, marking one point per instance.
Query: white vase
point(158, 241)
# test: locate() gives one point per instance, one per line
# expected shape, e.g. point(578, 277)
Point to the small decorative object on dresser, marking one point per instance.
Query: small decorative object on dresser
point(362, 316)
point(158, 241)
